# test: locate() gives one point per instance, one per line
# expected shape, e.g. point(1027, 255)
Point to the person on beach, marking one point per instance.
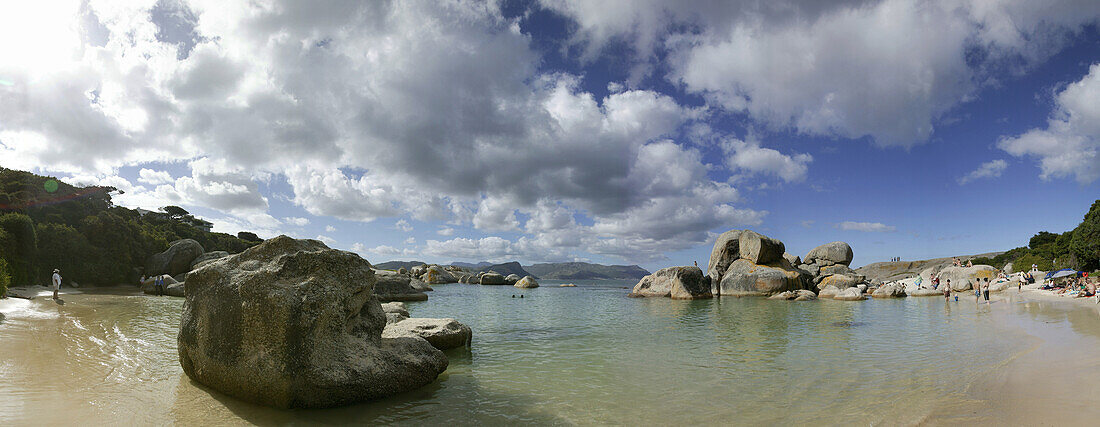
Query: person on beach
point(56, 282)
point(947, 292)
point(158, 285)
point(985, 290)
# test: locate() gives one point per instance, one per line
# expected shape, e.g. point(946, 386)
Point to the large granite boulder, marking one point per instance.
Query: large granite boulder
point(829, 254)
point(675, 283)
point(889, 290)
point(419, 270)
point(850, 294)
point(175, 260)
point(828, 292)
point(492, 279)
point(925, 292)
point(419, 285)
point(511, 279)
point(292, 323)
point(436, 275)
point(725, 252)
point(391, 286)
point(206, 257)
point(745, 278)
point(1008, 268)
point(965, 278)
point(792, 259)
point(759, 249)
point(527, 282)
point(799, 295)
point(395, 311)
point(443, 334)
point(841, 281)
point(836, 269)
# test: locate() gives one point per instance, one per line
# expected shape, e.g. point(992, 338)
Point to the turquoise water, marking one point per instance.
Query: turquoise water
point(583, 355)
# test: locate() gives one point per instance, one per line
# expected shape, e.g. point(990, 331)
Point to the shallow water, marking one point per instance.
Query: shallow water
point(584, 355)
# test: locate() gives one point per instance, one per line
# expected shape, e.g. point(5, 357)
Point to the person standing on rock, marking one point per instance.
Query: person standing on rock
point(56, 282)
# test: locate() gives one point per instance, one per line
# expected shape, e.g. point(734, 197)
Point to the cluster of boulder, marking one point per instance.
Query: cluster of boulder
point(292, 323)
point(747, 263)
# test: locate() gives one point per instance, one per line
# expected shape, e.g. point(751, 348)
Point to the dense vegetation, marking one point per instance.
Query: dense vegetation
point(1078, 248)
point(47, 224)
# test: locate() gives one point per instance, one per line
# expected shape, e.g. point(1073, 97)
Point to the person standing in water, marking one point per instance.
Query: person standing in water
point(56, 282)
point(947, 291)
point(985, 290)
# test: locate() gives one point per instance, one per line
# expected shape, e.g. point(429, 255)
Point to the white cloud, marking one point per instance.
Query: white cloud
point(1070, 143)
point(990, 169)
point(410, 241)
point(298, 221)
point(445, 231)
point(751, 157)
point(403, 225)
point(869, 227)
point(330, 229)
point(358, 248)
point(327, 240)
point(889, 69)
point(153, 177)
point(808, 223)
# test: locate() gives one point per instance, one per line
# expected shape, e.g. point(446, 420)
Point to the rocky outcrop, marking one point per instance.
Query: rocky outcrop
point(175, 260)
point(889, 290)
point(402, 270)
point(391, 286)
point(745, 278)
point(1008, 268)
point(675, 283)
point(492, 279)
point(966, 278)
point(792, 259)
point(419, 270)
point(511, 279)
point(830, 254)
point(419, 286)
point(850, 294)
point(527, 282)
point(840, 281)
point(436, 275)
point(799, 295)
point(759, 248)
point(828, 292)
point(726, 250)
point(925, 293)
point(292, 323)
point(443, 334)
point(206, 257)
point(395, 312)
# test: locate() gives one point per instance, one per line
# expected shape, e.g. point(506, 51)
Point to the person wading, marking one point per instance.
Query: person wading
point(56, 282)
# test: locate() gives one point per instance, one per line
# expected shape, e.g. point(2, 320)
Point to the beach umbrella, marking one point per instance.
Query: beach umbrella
point(1065, 272)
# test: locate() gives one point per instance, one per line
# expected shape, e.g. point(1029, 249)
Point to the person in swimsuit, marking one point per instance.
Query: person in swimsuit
point(56, 282)
point(985, 290)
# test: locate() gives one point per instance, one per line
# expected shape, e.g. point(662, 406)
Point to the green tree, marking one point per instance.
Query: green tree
point(1085, 243)
point(1041, 238)
point(175, 211)
point(20, 247)
point(5, 277)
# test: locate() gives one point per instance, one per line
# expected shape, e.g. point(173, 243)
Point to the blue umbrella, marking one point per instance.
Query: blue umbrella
point(1062, 273)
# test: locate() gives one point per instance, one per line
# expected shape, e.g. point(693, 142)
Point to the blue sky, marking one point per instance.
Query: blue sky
point(555, 131)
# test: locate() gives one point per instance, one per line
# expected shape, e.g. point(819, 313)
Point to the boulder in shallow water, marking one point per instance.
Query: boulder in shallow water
point(436, 275)
point(175, 260)
point(675, 283)
point(829, 254)
point(745, 278)
point(841, 281)
point(443, 334)
point(850, 294)
point(965, 278)
point(828, 292)
point(292, 323)
point(799, 295)
point(527, 282)
point(925, 293)
point(391, 286)
point(511, 279)
point(492, 279)
point(726, 250)
point(395, 312)
point(759, 249)
point(889, 290)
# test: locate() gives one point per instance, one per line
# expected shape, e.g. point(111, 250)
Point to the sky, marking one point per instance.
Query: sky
point(616, 132)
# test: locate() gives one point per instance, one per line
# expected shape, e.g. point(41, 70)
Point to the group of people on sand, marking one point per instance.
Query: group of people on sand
point(159, 288)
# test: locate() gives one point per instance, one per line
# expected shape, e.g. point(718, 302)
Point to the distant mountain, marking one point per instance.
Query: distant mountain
point(470, 266)
point(395, 265)
point(507, 268)
point(584, 270)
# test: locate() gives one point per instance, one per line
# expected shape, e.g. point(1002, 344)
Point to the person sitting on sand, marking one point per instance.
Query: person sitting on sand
point(56, 282)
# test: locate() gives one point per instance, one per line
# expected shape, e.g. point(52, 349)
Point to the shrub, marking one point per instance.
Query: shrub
point(19, 247)
point(1085, 243)
point(5, 277)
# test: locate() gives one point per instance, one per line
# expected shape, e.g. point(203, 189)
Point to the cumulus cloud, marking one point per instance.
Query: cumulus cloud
point(990, 169)
point(445, 231)
point(298, 221)
point(888, 69)
point(327, 240)
point(403, 225)
point(869, 227)
point(153, 177)
point(1070, 143)
point(751, 157)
